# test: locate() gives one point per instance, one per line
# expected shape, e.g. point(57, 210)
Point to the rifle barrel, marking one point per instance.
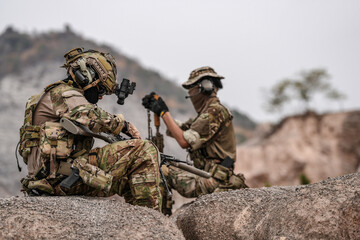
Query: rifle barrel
point(189, 168)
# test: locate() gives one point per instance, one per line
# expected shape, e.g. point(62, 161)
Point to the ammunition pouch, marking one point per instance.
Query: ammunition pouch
point(55, 143)
point(29, 138)
point(92, 175)
point(198, 157)
point(226, 177)
point(219, 172)
point(237, 181)
point(36, 187)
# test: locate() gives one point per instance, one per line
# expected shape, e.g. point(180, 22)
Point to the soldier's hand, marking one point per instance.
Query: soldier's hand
point(133, 131)
point(130, 130)
point(155, 104)
point(147, 100)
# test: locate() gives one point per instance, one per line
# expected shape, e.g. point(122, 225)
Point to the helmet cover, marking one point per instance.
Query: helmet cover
point(102, 63)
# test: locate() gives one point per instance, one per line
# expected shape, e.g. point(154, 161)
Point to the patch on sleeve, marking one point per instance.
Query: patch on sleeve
point(192, 138)
point(74, 98)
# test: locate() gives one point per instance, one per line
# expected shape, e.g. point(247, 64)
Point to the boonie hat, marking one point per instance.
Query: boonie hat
point(199, 73)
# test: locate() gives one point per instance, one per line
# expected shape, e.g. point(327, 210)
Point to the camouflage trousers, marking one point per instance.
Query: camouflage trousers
point(134, 172)
point(190, 185)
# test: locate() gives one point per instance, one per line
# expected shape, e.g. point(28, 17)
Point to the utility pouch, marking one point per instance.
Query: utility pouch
point(55, 141)
point(219, 172)
point(43, 185)
point(198, 158)
point(29, 138)
point(237, 181)
point(92, 175)
point(29, 134)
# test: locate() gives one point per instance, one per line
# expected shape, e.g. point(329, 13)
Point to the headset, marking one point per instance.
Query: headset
point(206, 86)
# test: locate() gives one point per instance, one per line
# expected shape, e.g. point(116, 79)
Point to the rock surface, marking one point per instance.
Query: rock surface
point(81, 218)
point(326, 210)
point(310, 146)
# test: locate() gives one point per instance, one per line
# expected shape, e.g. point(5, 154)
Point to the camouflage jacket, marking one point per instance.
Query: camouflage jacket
point(211, 134)
point(62, 100)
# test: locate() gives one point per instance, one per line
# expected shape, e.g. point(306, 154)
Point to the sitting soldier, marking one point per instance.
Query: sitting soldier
point(127, 168)
point(209, 138)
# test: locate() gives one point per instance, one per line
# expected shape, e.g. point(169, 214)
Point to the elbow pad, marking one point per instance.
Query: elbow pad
point(193, 139)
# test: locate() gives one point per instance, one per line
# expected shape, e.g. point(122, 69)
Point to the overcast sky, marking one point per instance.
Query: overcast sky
point(253, 43)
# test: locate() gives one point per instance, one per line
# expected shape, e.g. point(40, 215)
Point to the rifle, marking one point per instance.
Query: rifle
point(78, 129)
point(158, 140)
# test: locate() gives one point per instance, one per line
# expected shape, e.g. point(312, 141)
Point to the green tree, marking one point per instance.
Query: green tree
point(302, 88)
point(278, 96)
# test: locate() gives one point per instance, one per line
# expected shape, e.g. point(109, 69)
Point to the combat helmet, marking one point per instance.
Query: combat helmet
point(199, 73)
point(92, 68)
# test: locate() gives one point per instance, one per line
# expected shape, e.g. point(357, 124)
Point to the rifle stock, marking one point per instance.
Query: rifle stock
point(78, 129)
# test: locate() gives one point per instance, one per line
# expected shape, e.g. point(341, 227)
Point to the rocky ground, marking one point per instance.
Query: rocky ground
point(81, 218)
point(326, 210)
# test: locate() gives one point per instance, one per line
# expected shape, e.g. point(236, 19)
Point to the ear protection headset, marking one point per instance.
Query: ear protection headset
point(206, 86)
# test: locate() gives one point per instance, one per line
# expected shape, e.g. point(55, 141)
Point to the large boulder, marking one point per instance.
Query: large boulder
point(81, 218)
point(326, 210)
point(303, 148)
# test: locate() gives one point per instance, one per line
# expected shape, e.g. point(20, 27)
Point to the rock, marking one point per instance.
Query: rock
point(310, 146)
point(81, 218)
point(326, 210)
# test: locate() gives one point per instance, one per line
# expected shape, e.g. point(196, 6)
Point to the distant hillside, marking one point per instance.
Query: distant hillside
point(304, 148)
point(20, 50)
point(28, 63)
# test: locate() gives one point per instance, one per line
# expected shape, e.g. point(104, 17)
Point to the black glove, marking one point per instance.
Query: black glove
point(155, 104)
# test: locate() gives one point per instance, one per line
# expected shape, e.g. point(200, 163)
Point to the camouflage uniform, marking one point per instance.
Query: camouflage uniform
point(211, 137)
point(128, 168)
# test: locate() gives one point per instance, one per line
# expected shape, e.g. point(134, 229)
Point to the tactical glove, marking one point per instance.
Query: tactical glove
point(155, 104)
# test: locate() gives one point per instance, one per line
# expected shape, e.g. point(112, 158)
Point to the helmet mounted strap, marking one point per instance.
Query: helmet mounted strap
point(93, 84)
point(74, 78)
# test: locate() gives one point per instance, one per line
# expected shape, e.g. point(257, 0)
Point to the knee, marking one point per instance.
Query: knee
point(150, 149)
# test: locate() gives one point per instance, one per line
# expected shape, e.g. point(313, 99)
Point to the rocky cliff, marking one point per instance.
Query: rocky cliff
point(302, 149)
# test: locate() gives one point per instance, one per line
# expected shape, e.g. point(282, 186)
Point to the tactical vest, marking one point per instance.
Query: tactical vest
point(55, 144)
point(29, 133)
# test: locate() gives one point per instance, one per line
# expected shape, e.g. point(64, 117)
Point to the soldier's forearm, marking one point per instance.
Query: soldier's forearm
point(175, 130)
point(96, 119)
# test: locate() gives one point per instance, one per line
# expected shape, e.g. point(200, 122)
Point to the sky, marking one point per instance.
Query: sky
point(252, 43)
